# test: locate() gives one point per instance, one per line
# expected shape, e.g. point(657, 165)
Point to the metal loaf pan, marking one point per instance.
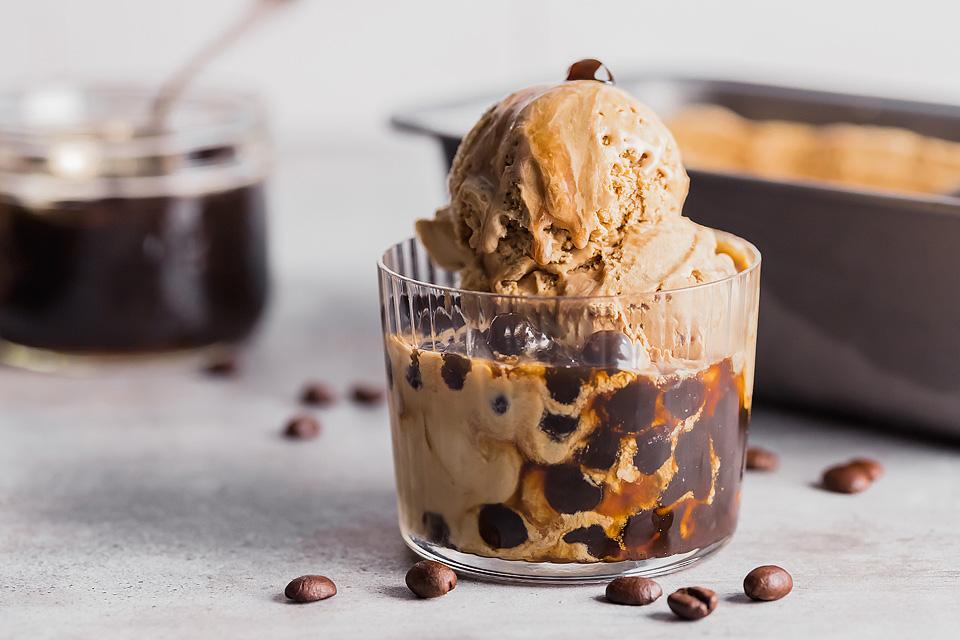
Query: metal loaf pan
point(860, 300)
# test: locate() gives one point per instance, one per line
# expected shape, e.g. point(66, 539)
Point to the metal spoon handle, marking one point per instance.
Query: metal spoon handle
point(171, 90)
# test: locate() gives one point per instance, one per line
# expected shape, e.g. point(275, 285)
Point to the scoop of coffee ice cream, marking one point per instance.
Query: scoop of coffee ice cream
point(572, 189)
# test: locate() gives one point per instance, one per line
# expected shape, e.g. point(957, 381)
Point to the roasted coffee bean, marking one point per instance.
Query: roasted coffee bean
point(558, 427)
point(598, 544)
point(568, 490)
point(692, 603)
point(630, 409)
point(302, 428)
point(846, 478)
point(684, 398)
point(501, 527)
point(317, 394)
point(436, 527)
point(367, 394)
point(310, 589)
point(602, 449)
point(454, 370)
point(760, 459)
point(589, 69)
point(223, 366)
point(872, 467)
point(413, 376)
point(511, 334)
point(633, 590)
point(608, 349)
point(768, 582)
point(500, 405)
point(564, 383)
point(429, 579)
point(652, 451)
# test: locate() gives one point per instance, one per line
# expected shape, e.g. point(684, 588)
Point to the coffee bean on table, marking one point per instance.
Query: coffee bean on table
point(846, 478)
point(223, 366)
point(429, 579)
point(302, 428)
point(768, 582)
point(692, 603)
point(760, 459)
point(367, 394)
point(317, 394)
point(633, 590)
point(310, 589)
point(873, 468)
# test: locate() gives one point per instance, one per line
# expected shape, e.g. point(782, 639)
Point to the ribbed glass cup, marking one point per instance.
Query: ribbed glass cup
point(562, 439)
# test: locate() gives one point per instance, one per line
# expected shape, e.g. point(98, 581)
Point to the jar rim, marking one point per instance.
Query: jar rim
point(112, 116)
point(750, 253)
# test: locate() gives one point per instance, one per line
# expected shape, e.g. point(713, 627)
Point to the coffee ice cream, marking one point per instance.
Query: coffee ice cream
point(571, 189)
point(582, 396)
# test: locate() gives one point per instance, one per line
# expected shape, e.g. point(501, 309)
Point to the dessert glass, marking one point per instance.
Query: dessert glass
point(120, 240)
point(562, 439)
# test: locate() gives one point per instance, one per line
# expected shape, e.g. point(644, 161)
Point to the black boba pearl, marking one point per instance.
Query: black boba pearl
point(501, 527)
point(590, 69)
point(631, 408)
point(608, 349)
point(598, 544)
point(652, 451)
point(454, 370)
point(640, 528)
point(557, 426)
point(413, 376)
point(694, 472)
point(436, 528)
point(684, 398)
point(602, 449)
point(500, 405)
point(386, 359)
point(568, 490)
point(564, 383)
point(511, 334)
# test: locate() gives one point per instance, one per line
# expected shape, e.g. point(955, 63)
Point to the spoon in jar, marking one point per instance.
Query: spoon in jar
point(174, 87)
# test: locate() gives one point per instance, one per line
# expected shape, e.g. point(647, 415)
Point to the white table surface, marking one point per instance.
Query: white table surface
point(161, 502)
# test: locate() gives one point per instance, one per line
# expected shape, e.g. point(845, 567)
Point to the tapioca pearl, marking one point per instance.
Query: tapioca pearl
point(568, 490)
point(609, 349)
point(684, 398)
point(694, 469)
point(501, 527)
point(630, 409)
point(500, 404)
point(653, 449)
point(413, 375)
point(601, 450)
point(510, 334)
point(642, 527)
point(564, 383)
point(454, 370)
point(436, 528)
point(558, 427)
point(598, 544)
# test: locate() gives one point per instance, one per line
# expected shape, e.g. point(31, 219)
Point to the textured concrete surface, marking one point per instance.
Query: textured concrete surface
point(159, 502)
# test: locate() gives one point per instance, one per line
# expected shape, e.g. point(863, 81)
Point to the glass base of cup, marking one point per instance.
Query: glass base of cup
point(51, 361)
point(520, 571)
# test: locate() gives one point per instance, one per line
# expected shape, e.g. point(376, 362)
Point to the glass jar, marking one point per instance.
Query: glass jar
point(567, 439)
point(117, 239)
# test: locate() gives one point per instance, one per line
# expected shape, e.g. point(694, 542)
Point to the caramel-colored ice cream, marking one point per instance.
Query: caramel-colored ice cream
point(572, 189)
point(888, 158)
